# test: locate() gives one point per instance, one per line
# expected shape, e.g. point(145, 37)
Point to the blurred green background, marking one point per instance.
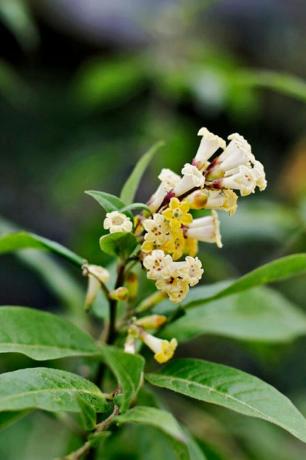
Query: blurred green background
point(85, 88)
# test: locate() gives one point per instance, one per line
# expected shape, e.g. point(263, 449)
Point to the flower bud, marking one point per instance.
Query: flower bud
point(151, 322)
point(120, 294)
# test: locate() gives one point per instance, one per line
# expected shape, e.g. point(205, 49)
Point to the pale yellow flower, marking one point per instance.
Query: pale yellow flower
point(177, 212)
point(116, 221)
point(195, 270)
point(163, 349)
point(155, 263)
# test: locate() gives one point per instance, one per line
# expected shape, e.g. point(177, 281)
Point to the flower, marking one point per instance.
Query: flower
point(259, 174)
point(242, 178)
point(168, 180)
point(115, 221)
point(206, 229)
point(98, 272)
point(120, 294)
point(195, 270)
point(192, 178)
point(191, 247)
point(163, 349)
point(223, 199)
point(157, 228)
point(177, 213)
point(209, 144)
point(155, 263)
point(237, 153)
point(151, 322)
point(175, 288)
point(176, 244)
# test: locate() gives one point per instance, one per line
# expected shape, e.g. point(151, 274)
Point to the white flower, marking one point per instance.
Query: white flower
point(210, 143)
point(225, 200)
point(96, 275)
point(168, 179)
point(93, 288)
point(206, 229)
point(157, 229)
point(163, 349)
point(242, 178)
point(175, 288)
point(116, 221)
point(237, 153)
point(130, 345)
point(195, 270)
point(156, 263)
point(192, 178)
point(259, 174)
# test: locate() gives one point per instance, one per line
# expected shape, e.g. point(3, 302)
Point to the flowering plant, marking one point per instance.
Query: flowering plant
point(128, 316)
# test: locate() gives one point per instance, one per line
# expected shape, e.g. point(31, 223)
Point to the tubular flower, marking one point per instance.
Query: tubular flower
point(163, 349)
point(195, 270)
point(151, 322)
point(168, 180)
point(209, 144)
point(177, 213)
point(206, 229)
point(241, 178)
point(224, 199)
point(156, 263)
point(96, 275)
point(116, 221)
point(237, 153)
point(192, 178)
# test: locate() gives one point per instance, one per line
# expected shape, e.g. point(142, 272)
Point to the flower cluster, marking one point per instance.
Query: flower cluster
point(173, 278)
point(207, 183)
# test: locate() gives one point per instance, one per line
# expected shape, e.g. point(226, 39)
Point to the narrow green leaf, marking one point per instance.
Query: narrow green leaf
point(257, 314)
point(118, 244)
point(108, 202)
point(133, 206)
point(233, 389)
point(128, 370)
point(281, 82)
point(47, 389)
point(277, 270)
point(88, 414)
point(130, 187)
point(41, 335)
point(22, 240)
point(158, 418)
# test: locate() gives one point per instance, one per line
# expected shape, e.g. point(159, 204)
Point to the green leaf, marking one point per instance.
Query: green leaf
point(104, 83)
point(9, 418)
point(22, 240)
point(233, 389)
point(118, 244)
point(281, 82)
point(130, 187)
point(257, 314)
point(277, 270)
point(88, 414)
point(108, 202)
point(128, 370)
point(157, 418)
point(133, 206)
point(47, 389)
point(41, 335)
point(57, 278)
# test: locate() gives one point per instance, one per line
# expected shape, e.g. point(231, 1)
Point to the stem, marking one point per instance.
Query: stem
point(113, 307)
point(87, 446)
